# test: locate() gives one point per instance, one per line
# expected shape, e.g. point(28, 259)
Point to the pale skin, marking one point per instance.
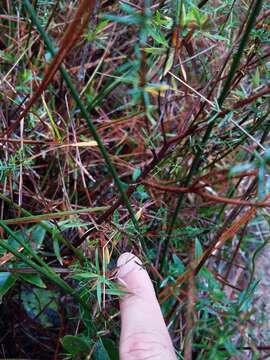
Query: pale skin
point(144, 335)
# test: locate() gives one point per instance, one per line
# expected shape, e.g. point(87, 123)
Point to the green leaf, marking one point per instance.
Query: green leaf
point(87, 318)
point(37, 235)
point(97, 261)
point(183, 15)
point(76, 345)
point(154, 50)
point(56, 249)
point(180, 267)
point(212, 283)
point(261, 181)
point(115, 291)
point(99, 293)
point(42, 268)
point(33, 279)
point(169, 63)
point(127, 19)
point(100, 352)
point(116, 217)
point(140, 192)
point(198, 248)
point(101, 25)
point(48, 56)
point(7, 280)
point(196, 14)
point(41, 305)
point(157, 36)
point(127, 8)
point(256, 79)
point(240, 168)
point(136, 173)
point(7, 56)
point(84, 276)
point(230, 347)
point(21, 235)
point(111, 348)
point(124, 185)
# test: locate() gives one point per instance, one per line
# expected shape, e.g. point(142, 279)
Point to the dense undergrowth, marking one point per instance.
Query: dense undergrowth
point(132, 126)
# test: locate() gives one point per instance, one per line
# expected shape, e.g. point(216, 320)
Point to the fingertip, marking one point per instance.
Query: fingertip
point(126, 263)
point(134, 277)
point(126, 258)
point(142, 322)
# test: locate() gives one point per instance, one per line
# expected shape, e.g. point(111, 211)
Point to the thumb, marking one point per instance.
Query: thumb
point(143, 331)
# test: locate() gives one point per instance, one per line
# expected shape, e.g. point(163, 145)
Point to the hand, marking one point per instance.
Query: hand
point(144, 334)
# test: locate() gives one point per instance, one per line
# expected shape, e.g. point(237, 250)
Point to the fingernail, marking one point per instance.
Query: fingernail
point(126, 263)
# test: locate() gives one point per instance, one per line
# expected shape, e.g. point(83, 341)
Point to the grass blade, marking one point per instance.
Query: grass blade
point(195, 164)
point(84, 113)
point(43, 268)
